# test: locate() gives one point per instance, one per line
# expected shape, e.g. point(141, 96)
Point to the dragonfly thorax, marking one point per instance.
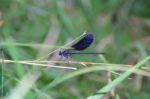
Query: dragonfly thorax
point(64, 53)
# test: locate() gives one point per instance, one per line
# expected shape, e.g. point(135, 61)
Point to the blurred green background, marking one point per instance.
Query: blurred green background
point(121, 29)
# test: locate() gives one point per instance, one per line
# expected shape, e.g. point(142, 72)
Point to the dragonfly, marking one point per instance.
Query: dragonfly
point(82, 44)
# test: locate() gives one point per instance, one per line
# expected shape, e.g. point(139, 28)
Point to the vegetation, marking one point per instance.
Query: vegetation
point(32, 32)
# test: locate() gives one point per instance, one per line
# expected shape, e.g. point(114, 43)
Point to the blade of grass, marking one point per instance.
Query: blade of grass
point(118, 80)
point(30, 45)
point(23, 87)
point(13, 52)
point(61, 79)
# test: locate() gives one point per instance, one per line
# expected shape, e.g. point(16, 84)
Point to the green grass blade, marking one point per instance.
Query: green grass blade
point(118, 80)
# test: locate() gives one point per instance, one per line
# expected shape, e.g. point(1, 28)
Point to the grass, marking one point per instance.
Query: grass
point(33, 31)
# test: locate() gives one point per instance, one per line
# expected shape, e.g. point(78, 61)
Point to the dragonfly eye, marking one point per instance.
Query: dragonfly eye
point(60, 53)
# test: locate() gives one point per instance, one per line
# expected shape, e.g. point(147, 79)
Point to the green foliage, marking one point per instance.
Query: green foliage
point(31, 28)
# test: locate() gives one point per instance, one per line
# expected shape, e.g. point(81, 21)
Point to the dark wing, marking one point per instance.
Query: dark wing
point(84, 42)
